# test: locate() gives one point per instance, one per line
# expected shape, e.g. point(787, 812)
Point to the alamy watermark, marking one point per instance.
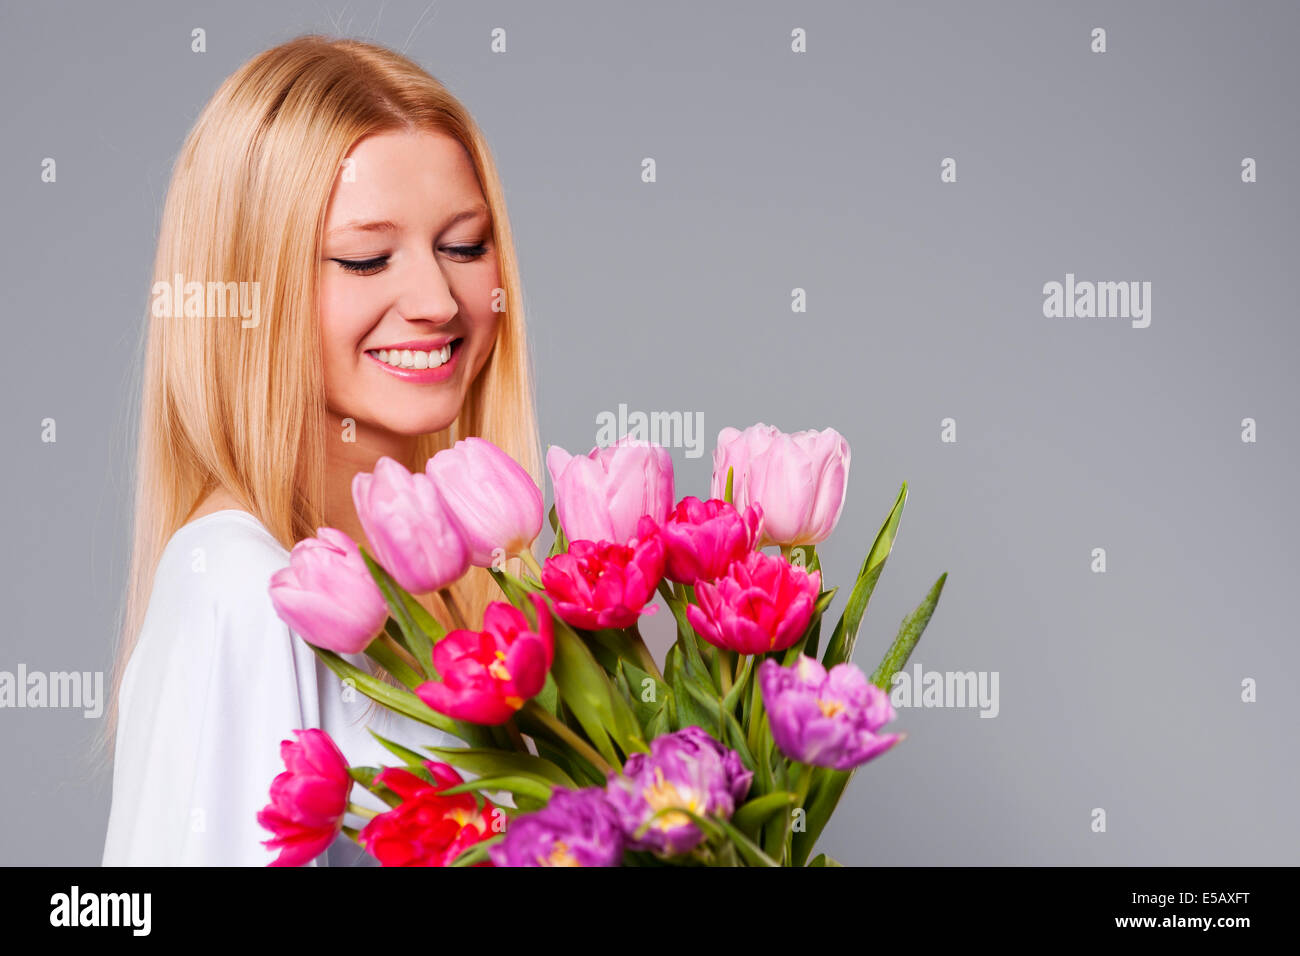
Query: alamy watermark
point(669, 429)
point(922, 688)
point(1101, 300)
point(57, 689)
point(196, 300)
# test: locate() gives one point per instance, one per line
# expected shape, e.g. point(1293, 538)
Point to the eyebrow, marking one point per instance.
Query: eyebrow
point(387, 225)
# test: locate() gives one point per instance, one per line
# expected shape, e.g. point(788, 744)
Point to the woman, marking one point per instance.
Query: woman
point(336, 282)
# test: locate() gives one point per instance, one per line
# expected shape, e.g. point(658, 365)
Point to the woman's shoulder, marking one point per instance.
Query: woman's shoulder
point(212, 580)
point(221, 554)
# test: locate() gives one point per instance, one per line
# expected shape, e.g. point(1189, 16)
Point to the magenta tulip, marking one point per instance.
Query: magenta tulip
point(599, 585)
point(602, 495)
point(702, 538)
point(308, 799)
point(413, 535)
point(327, 595)
point(763, 603)
point(800, 480)
point(488, 675)
point(496, 503)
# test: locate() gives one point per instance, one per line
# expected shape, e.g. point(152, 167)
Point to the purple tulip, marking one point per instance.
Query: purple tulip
point(413, 535)
point(826, 720)
point(602, 495)
point(327, 596)
point(575, 828)
point(799, 480)
point(496, 503)
point(688, 769)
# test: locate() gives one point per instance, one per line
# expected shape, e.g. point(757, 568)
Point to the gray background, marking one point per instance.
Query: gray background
point(1118, 690)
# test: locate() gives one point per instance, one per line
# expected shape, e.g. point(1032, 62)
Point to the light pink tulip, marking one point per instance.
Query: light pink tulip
point(327, 596)
point(799, 480)
point(602, 495)
point(412, 534)
point(496, 503)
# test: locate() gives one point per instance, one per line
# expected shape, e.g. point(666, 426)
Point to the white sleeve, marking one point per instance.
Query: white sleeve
point(213, 687)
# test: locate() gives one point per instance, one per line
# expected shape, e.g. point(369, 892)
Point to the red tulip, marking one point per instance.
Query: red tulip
point(487, 675)
point(426, 828)
point(606, 584)
point(702, 538)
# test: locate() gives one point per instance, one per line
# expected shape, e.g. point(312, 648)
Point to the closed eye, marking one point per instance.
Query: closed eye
point(363, 266)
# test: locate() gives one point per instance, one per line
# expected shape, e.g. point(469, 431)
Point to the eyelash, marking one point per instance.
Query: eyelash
point(371, 266)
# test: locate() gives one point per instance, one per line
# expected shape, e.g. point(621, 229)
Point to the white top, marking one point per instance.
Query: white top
point(214, 684)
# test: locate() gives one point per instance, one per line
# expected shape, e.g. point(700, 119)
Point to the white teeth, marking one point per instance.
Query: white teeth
point(405, 358)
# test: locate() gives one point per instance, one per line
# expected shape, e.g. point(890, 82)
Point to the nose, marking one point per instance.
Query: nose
point(426, 295)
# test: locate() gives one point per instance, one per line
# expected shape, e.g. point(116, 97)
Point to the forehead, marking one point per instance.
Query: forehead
point(407, 177)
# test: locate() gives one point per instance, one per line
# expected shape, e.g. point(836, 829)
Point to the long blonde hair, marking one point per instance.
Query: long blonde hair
point(224, 406)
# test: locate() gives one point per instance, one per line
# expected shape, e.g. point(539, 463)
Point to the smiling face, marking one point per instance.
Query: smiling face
point(407, 281)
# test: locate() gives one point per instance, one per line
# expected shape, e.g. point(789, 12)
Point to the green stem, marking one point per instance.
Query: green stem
point(801, 794)
point(362, 811)
point(402, 652)
point(565, 733)
point(755, 715)
point(530, 562)
point(516, 736)
point(453, 608)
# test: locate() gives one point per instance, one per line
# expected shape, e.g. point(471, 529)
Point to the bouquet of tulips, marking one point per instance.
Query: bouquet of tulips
point(734, 753)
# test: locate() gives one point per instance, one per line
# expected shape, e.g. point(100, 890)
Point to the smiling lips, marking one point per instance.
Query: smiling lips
point(418, 361)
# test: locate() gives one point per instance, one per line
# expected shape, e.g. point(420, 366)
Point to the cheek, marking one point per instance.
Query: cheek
point(344, 319)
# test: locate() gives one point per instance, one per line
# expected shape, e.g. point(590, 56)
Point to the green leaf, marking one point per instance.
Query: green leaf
point(635, 679)
point(405, 754)
point(753, 855)
point(738, 688)
point(387, 658)
point(909, 633)
point(823, 797)
point(477, 852)
point(419, 628)
point(586, 690)
point(521, 786)
point(751, 816)
point(394, 698)
point(366, 777)
point(483, 762)
point(561, 542)
point(840, 648)
point(821, 859)
point(687, 639)
point(572, 764)
point(693, 708)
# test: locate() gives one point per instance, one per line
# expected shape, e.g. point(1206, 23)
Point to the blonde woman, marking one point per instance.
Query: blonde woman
point(349, 206)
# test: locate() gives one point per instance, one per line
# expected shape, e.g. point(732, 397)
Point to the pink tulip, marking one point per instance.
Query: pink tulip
point(496, 503)
point(488, 675)
point(702, 538)
point(413, 535)
point(327, 596)
point(602, 495)
point(800, 479)
point(599, 585)
point(763, 603)
point(308, 799)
